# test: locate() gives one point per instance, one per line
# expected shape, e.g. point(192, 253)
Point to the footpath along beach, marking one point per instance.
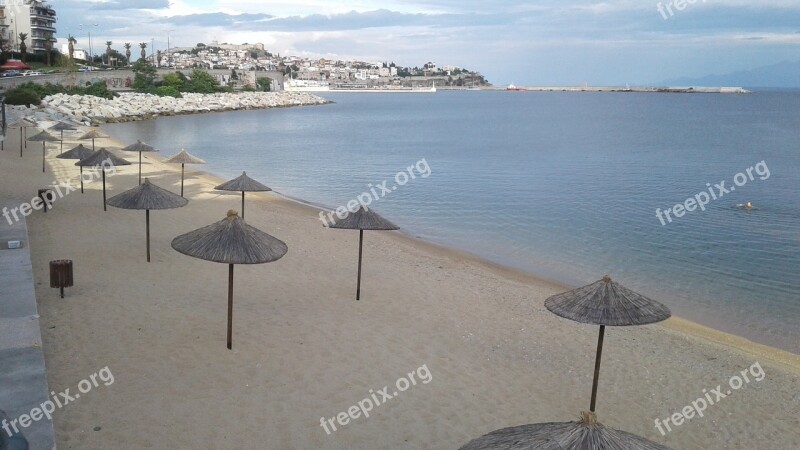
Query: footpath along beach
point(305, 350)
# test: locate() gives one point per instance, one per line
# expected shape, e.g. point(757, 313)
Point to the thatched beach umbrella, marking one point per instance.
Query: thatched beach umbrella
point(79, 152)
point(606, 303)
point(362, 219)
point(585, 434)
point(183, 158)
point(231, 241)
point(97, 159)
point(23, 124)
point(44, 137)
point(147, 196)
point(63, 126)
point(245, 184)
point(140, 147)
point(93, 133)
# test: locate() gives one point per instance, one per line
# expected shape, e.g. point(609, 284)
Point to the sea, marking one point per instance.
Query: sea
point(570, 186)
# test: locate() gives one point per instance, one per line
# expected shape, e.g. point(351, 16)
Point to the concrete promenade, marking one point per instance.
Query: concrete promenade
point(23, 379)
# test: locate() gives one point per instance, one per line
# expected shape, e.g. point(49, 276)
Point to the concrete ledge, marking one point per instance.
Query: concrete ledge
point(23, 378)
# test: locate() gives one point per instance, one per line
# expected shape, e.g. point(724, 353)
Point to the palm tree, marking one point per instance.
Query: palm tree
point(128, 52)
point(22, 47)
point(72, 41)
point(159, 58)
point(143, 46)
point(108, 52)
point(48, 46)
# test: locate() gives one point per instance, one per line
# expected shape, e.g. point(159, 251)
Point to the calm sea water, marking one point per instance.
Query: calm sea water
point(565, 185)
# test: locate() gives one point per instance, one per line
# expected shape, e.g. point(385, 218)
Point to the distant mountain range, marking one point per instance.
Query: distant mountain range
point(783, 75)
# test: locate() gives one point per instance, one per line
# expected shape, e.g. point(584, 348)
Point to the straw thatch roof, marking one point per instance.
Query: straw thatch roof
point(140, 146)
point(97, 158)
point(605, 302)
point(44, 136)
point(94, 133)
point(79, 152)
point(147, 196)
point(243, 183)
point(363, 219)
point(64, 126)
point(184, 157)
point(585, 434)
point(231, 241)
point(22, 122)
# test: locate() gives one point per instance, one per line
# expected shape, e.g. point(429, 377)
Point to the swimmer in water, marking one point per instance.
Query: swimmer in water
point(747, 205)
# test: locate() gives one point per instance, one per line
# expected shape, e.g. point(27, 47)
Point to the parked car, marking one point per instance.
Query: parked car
point(10, 73)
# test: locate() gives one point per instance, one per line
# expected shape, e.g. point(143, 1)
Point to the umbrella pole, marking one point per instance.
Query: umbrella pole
point(230, 306)
point(147, 212)
point(81, 179)
point(242, 204)
point(62, 143)
point(182, 166)
point(25, 133)
point(20, 142)
point(104, 189)
point(43, 151)
point(140, 168)
point(360, 247)
point(597, 366)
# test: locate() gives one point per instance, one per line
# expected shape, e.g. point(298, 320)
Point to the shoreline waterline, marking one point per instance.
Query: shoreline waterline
point(676, 323)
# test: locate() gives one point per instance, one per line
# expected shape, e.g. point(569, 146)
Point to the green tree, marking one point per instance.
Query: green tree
point(48, 46)
point(143, 46)
point(174, 80)
point(72, 41)
point(22, 47)
point(108, 52)
point(264, 84)
point(128, 52)
point(144, 80)
point(200, 81)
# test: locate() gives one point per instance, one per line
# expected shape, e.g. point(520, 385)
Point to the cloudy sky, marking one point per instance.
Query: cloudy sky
point(535, 42)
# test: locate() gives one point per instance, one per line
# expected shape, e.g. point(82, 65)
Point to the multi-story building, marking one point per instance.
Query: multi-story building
point(35, 18)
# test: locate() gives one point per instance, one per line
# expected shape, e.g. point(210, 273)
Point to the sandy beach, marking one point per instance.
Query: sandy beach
point(304, 349)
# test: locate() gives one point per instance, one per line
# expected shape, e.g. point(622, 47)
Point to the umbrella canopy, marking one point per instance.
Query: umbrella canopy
point(584, 434)
point(244, 184)
point(44, 137)
point(15, 64)
point(61, 127)
point(79, 152)
point(64, 126)
point(23, 123)
point(184, 158)
point(604, 303)
point(97, 159)
point(362, 219)
point(140, 147)
point(147, 196)
point(231, 241)
point(93, 133)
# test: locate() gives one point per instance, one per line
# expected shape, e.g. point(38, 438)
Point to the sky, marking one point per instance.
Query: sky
point(534, 43)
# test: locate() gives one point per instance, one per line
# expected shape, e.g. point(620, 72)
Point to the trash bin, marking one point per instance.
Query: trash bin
point(47, 197)
point(61, 274)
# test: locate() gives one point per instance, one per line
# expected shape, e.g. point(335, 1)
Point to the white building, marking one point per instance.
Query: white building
point(35, 18)
point(79, 53)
